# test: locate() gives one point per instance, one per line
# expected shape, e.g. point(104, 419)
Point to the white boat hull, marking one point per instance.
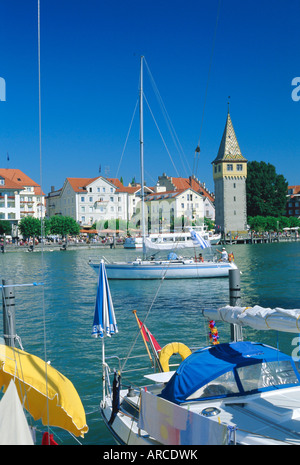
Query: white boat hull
point(133, 243)
point(124, 428)
point(185, 269)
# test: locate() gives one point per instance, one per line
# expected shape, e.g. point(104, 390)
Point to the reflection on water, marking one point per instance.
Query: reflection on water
point(270, 277)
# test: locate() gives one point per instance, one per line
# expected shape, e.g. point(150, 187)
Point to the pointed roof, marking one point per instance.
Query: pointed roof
point(229, 147)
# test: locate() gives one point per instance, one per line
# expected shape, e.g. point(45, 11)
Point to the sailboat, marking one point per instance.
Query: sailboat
point(173, 267)
point(241, 392)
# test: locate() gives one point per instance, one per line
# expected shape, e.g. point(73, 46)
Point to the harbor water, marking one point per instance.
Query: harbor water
point(270, 277)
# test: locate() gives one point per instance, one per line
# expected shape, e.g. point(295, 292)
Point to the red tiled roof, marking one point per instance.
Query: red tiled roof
point(185, 183)
point(296, 189)
point(78, 184)
point(15, 178)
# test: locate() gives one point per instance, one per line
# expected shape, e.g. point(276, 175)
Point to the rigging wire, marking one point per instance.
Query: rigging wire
point(167, 119)
point(197, 151)
point(134, 111)
point(41, 213)
point(161, 137)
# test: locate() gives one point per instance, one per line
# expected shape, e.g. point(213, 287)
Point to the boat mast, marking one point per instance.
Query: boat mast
point(142, 154)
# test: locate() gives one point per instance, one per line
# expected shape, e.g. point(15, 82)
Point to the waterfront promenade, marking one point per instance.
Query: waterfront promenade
point(263, 238)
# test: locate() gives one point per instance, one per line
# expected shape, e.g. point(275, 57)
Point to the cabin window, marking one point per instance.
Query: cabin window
point(262, 375)
point(221, 386)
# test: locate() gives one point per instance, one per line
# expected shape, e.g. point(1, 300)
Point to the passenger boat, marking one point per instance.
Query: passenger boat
point(171, 241)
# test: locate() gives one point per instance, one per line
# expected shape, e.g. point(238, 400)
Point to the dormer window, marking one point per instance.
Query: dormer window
point(2, 181)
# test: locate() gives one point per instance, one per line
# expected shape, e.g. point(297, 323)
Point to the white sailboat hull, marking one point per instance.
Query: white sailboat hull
point(177, 269)
point(267, 419)
point(124, 429)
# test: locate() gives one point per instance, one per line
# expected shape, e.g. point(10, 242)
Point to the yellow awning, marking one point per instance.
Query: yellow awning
point(65, 407)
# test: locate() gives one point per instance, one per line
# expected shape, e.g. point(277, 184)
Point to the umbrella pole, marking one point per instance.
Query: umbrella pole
point(103, 371)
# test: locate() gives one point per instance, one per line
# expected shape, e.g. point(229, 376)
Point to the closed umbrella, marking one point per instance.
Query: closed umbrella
point(104, 317)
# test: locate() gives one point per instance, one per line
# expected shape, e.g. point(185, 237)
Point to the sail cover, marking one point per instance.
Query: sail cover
point(14, 429)
point(259, 318)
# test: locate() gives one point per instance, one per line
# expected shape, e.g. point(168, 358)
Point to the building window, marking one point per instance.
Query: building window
point(90, 199)
point(239, 167)
point(234, 199)
point(229, 167)
point(82, 199)
point(234, 185)
point(219, 168)
point(91, 190)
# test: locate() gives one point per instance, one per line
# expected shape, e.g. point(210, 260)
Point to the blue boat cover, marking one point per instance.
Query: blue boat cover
point(205, 365)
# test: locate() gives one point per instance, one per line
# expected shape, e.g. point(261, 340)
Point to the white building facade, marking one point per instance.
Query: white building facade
point(20, 197)
point(168, 209)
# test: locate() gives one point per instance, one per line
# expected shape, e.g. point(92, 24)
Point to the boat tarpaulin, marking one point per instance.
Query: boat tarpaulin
point(205, 365)
point(171, 424)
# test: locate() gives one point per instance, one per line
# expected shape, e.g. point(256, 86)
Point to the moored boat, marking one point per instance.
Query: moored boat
point(240, 392)
point(166, 269)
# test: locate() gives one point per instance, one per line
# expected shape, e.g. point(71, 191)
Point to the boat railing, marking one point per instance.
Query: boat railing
point(110, 369)
point(151, 366)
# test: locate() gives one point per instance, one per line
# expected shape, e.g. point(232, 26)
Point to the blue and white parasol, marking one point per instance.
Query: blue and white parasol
point(104, 317)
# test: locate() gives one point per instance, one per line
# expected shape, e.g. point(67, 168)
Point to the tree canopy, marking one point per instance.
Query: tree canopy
point(271, 223)
point(63, 225)
point(5, 227)
point(30, 226)
point(265, 189)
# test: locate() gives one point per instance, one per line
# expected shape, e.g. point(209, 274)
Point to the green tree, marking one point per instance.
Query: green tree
point(5, 227)
point(63, 225)
point(30, 227)
point(265, 190)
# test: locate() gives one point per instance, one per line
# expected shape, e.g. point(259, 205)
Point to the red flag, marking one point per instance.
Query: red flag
point(147, 334)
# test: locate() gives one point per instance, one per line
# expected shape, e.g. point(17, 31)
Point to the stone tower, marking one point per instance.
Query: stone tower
point(230, 173)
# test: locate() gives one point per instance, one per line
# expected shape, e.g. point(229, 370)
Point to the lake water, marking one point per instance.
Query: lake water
point(270, 278)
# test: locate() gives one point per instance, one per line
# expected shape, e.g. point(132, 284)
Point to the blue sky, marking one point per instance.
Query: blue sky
point(90, 58)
